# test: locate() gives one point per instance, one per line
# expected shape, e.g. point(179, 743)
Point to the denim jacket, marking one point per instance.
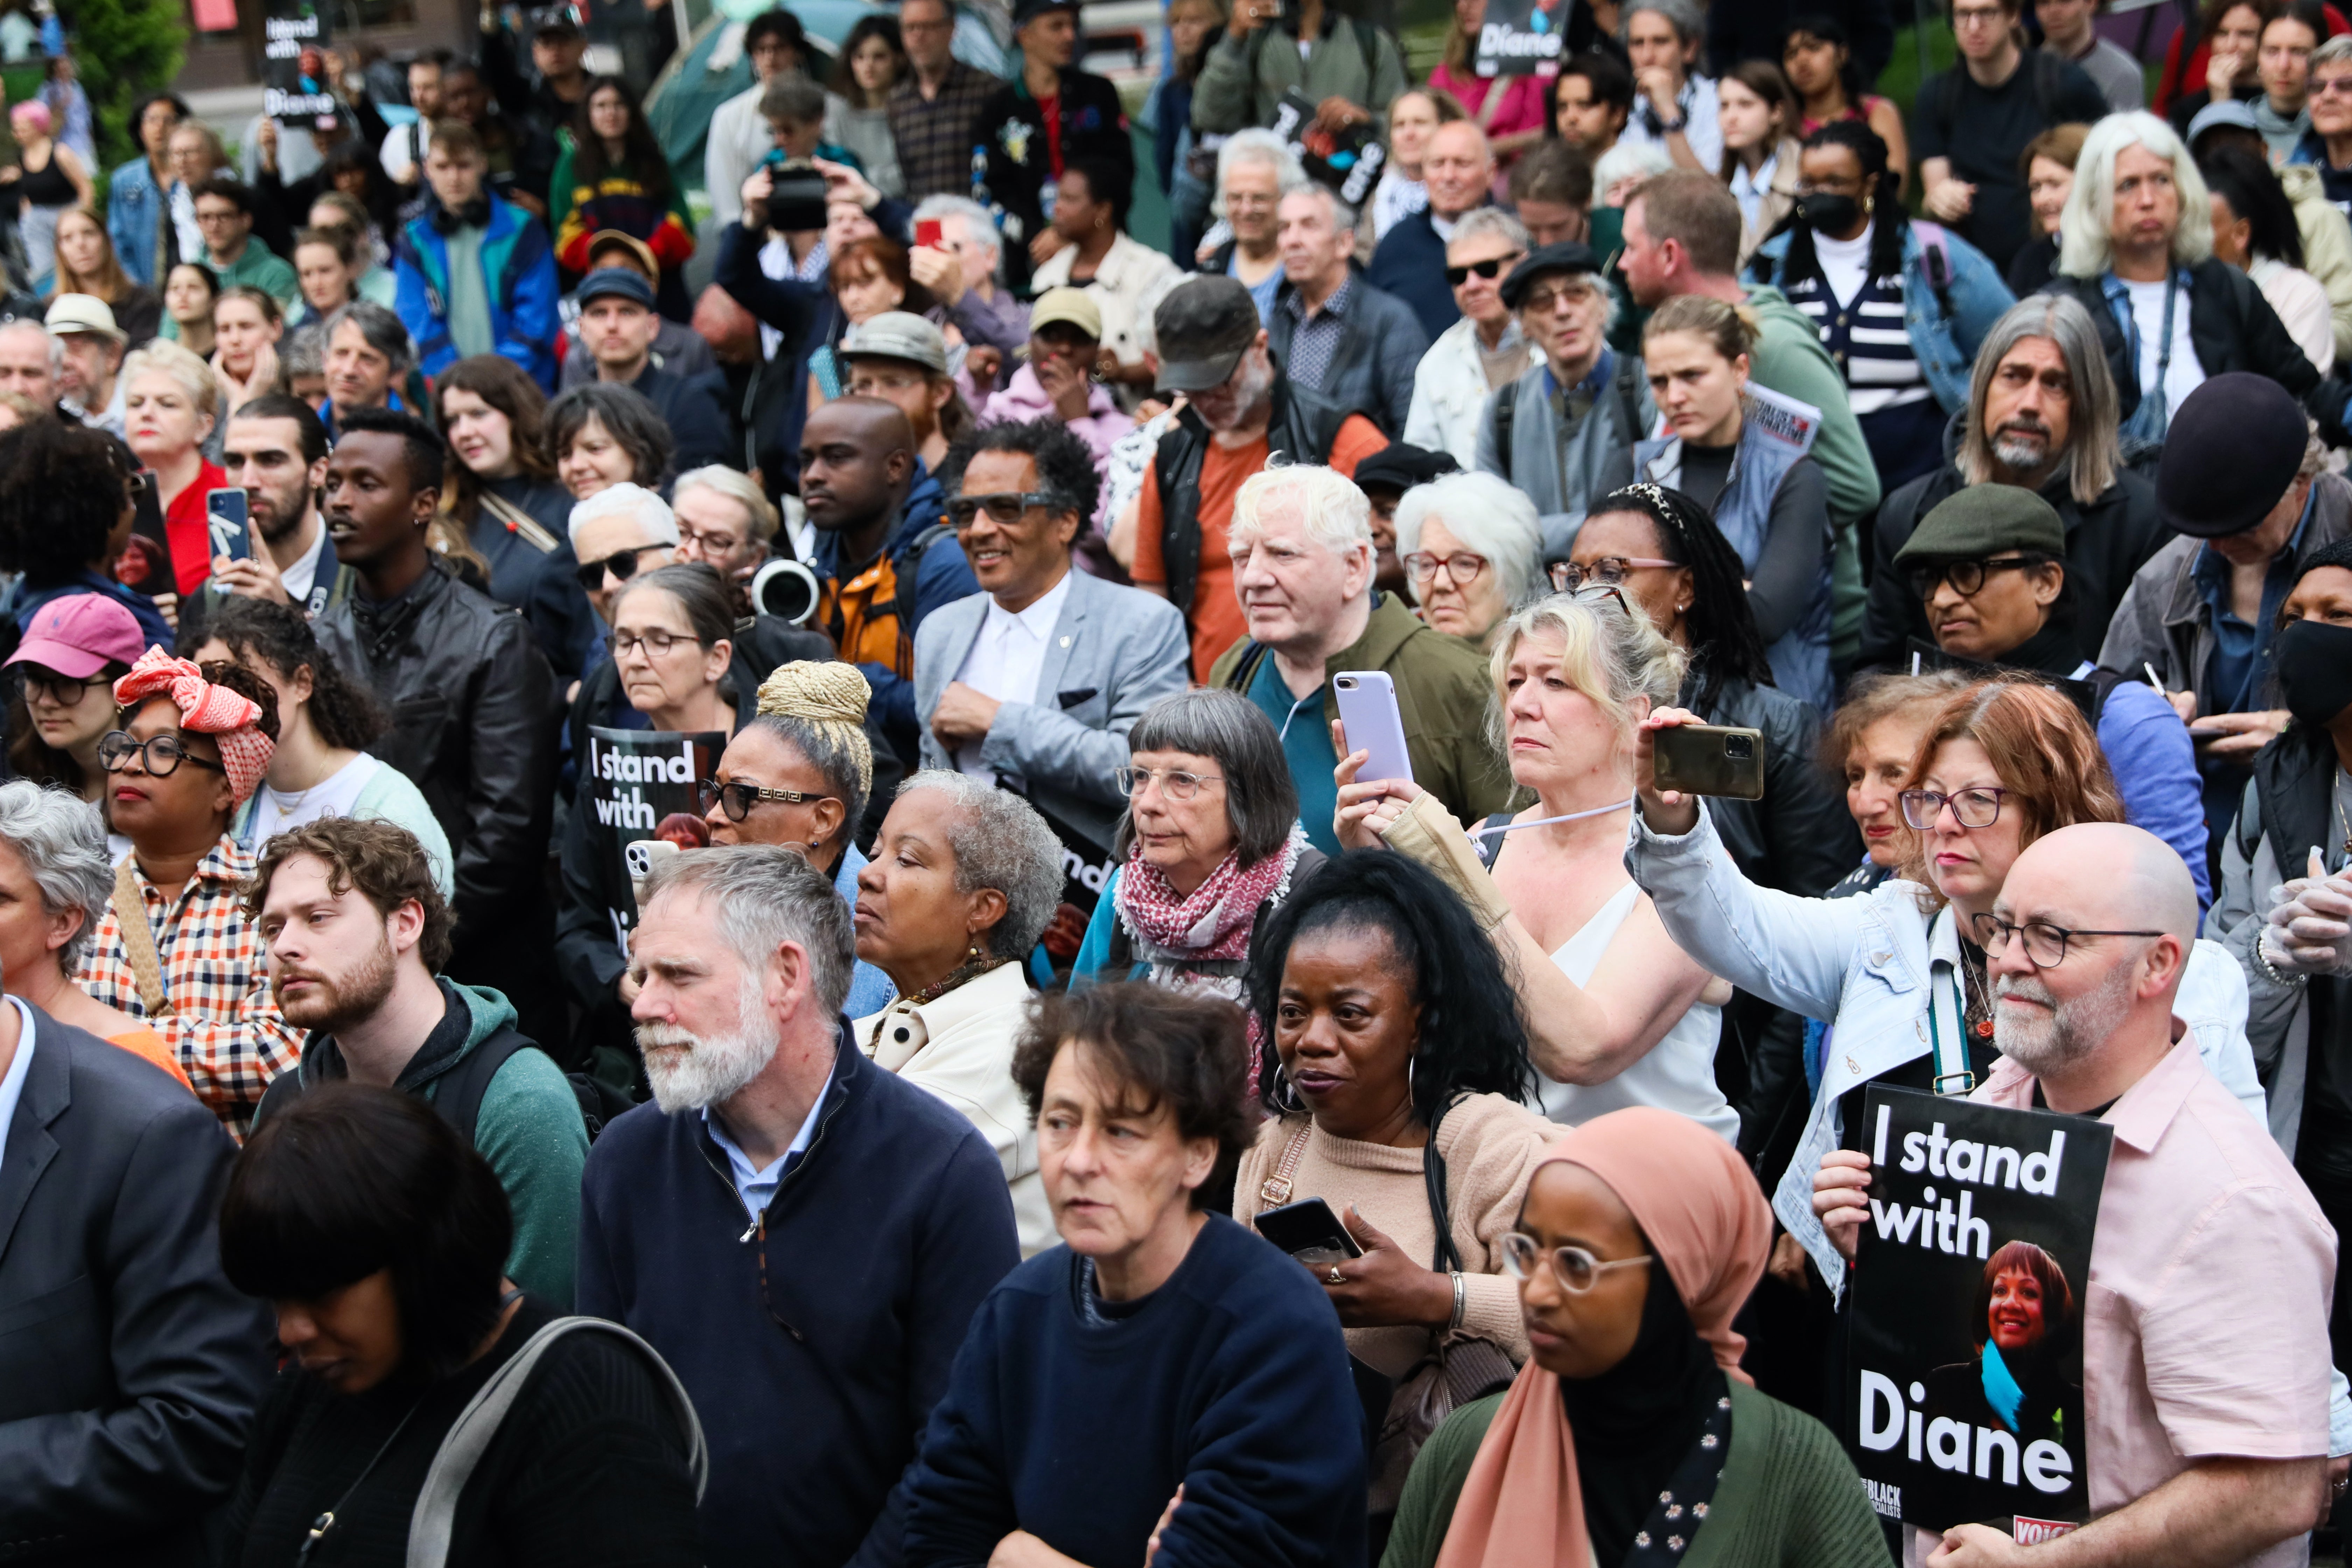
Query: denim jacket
point(1944, 343)
point(1861, 965)
point(134, 208)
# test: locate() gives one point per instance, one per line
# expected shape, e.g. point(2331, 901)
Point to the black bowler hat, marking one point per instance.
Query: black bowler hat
point(1400, 467)
point(2232, 450)
point(1566, 256)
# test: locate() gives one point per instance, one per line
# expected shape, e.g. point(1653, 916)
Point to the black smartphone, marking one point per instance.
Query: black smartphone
point(1710, 759)
point(1308, 1231)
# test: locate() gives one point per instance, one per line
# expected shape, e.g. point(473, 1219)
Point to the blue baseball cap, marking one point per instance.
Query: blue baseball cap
point(623, 282)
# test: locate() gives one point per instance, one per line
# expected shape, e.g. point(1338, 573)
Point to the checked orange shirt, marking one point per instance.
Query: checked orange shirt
point(224, 1024)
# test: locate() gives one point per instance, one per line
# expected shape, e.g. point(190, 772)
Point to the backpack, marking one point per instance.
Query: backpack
point(908, 567)
point(1507, 411)
point(459, 1098)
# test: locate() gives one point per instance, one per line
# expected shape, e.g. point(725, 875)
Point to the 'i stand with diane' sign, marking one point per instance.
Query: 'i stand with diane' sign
point(295, 88)
point(1964, 1383)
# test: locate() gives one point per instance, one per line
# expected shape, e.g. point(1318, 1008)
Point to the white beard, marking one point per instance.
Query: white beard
point(2071, 1031)
point(690, 1072)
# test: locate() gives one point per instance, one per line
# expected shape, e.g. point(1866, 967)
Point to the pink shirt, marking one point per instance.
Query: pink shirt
point(2205, 1322)
point(1526, 99)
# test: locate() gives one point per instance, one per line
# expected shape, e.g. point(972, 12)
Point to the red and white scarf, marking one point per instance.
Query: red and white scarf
point(1212, 923)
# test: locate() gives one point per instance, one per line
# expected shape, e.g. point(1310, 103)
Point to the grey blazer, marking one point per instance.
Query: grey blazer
point(129, 1366)
point(1114, 651)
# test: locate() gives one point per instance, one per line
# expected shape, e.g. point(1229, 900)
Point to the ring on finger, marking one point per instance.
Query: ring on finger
point(1337, 1278)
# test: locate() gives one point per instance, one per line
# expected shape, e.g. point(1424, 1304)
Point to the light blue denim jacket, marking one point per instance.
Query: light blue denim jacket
point(1945, 345)
point(133, 208)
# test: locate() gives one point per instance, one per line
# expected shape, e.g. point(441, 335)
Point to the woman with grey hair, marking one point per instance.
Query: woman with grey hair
point(55, 880)
point(1208, 850)
point(964, 880)
point(2137, 221)
point(1472, 552)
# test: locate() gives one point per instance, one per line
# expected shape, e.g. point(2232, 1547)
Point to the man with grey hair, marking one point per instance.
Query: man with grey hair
point(799, 1233)
point(2040, 415)
point(1331, 330)
point(32, 359)
point(964, 880)
point(1483, 351)
point(963, 273)
point(1255, 169)
point(1301, 544)
point(368, 353)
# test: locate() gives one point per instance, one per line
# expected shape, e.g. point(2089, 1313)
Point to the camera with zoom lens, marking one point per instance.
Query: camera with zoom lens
point(785, 589)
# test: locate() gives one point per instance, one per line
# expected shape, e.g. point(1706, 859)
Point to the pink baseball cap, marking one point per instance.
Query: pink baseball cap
point(79, 634)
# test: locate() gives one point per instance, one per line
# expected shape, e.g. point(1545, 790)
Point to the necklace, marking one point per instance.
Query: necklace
point(970, 969)
point(1979, 1005)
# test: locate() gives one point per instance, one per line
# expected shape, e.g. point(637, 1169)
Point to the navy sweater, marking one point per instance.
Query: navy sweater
point(1411, 264)
point(814, 1375)
point(1232, 1379)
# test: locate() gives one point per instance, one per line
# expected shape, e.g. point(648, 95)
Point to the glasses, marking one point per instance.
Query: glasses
point(1568, 577)
point(1457, 275)
point(230, 215)
point(621, 564)
point(655, 642)
point(739, 797)
point(48, 686)
point(1964, 576)
point(1004, 509)
point(161, 756)
point(2322, 86)
point(1174, 782)
point(2045, 944)
point(1594, 592)
point(1970, 807)
point(1978, 16)
point(1577, 1270)
point(1461, 569)
point(1542, 301)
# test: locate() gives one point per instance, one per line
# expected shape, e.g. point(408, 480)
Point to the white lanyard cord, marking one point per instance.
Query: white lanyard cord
point(1547, 821)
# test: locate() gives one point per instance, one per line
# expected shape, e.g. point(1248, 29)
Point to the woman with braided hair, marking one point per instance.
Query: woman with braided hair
point(1901, 307)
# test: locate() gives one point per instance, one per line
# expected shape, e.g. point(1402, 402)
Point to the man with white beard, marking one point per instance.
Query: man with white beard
point(803, 1235)
point(2205, 1346)
point(356, 931)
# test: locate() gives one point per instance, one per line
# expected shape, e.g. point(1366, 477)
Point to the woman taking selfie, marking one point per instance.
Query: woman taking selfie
point(86, 264)
point(610, 174)
point(1633, 1426)
point(1767, 495)
point(1617, 1013)
point(1392, 1056)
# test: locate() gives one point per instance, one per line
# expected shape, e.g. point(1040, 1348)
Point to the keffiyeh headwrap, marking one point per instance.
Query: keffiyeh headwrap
point(233, 721)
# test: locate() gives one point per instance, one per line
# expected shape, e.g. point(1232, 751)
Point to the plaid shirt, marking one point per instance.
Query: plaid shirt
point(224, 1024)
point(1317, 338)
point(936, 136)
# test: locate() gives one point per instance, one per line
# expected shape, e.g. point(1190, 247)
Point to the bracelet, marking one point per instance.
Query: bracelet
point(1461, 1298)
point(2262, 965)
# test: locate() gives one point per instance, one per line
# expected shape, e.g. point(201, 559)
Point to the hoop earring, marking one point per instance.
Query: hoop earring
point(1282, 1094)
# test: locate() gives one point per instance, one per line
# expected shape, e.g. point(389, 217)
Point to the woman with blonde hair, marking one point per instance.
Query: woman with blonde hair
point(171, 405)
point(86, 264)
point(1745, 455)
point(1617, 1013)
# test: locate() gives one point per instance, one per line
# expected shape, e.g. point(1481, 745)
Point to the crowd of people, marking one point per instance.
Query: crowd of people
point(1153, 736)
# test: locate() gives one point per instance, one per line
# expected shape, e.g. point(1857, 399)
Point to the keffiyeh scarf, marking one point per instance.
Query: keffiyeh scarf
point(233, 721)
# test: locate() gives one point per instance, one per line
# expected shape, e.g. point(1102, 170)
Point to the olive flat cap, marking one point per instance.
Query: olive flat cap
point(2232, 451)
point(1985, 520)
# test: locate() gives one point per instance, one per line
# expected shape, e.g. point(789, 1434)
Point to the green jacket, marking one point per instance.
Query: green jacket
point(1442, 691)
point(264, 268)
point(1246, 76)
point(1789, 1497)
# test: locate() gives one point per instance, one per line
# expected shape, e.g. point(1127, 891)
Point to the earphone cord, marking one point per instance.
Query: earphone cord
point(1547, 821)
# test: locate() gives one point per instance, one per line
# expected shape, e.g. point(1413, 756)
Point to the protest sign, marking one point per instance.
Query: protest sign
point(1520, 37)
point(642, 785)
point(1349, 162)
point(1964, 1385)
point(295, 90)
point(1086, 865)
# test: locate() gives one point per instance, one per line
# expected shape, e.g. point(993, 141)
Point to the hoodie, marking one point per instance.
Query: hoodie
point(1102, 423)
point(528, 1128)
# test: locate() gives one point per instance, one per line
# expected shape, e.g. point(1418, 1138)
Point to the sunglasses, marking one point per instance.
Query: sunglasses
point(1003, 508)
point(621, 564)
point(1457, 276)
point(738, 798)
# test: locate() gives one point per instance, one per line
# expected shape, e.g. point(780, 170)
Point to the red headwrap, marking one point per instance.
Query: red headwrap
point(233, 721)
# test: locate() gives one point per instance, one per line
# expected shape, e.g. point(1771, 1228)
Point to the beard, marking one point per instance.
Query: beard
point(690, 1072)
point(334, 1005)
point(2070, 1031)
point(2021, 446)
point(284, 514)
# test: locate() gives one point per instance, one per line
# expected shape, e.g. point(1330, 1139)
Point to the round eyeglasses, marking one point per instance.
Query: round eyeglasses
point(1461, 568)
point(1970, 807)
point(161, 756)
point(1577, 1270)
point(1967, 577)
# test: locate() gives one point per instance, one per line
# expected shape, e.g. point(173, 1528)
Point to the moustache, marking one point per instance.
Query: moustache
point(2025, 987)
point(2024, 424)
point(665, 1037)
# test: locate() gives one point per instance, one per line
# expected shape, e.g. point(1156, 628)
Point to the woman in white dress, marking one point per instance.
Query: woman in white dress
point(1617, 1013)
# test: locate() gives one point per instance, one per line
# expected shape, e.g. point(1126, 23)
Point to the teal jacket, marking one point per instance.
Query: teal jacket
point(519, 268)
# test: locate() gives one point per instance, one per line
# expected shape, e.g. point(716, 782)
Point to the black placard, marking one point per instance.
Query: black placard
point(1520, 37)
point(295, 90)
point(641, 784)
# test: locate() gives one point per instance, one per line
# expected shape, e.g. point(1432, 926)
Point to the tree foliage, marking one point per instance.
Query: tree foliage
point(124, 49)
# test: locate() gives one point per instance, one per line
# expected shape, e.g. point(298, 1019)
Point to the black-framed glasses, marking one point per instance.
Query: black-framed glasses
point(1964, 576)
point(2045, 944)
point(1460, 568)
point(36, 684)
point(655, 642)
point(161, 756)
point(1174, 782)
point(622, 564)
point(1577, 1270)
point(1977, 807)
point(1608, 572)
point(739, 797)
point(1004, 509)
point(1457, 275)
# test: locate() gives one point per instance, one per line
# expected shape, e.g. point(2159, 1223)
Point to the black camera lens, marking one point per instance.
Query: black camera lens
point(1739, 748)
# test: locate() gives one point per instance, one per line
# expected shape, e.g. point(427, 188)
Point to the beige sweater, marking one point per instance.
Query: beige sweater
point(1491, 1147)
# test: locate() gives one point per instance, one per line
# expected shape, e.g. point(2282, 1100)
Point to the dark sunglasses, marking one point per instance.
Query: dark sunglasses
point(1003, 508)
point(1457, 276)
point(621, 564)
point(739, 797)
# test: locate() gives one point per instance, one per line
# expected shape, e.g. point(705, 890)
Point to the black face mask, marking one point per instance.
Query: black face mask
point(1825, 212)
point(2314, 664)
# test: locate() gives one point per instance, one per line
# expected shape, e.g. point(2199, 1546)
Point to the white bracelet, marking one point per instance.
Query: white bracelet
point(2269, 973)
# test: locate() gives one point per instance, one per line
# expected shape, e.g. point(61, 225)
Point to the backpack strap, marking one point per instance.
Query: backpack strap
point(139, 942)
point(434, 1520)
point(1628, 398)
point(460, 1096)
point(908, 567)
point(1506, 410)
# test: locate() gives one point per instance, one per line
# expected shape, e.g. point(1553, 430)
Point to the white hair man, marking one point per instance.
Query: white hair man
point(617, 533)
point(1301, 546)
point(1332, 331)
point(2211, 1447)
point(965, 273)
point(2136, 220)
point(1449, 387)
point(855, 1211)
point(1255, 169)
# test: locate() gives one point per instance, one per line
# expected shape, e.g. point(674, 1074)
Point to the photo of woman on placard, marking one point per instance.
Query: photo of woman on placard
point(2027, 1375)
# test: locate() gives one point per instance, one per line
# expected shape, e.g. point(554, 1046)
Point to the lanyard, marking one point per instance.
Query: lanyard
point(1547, 821)
point(2156, 421)
point(1948, 1028)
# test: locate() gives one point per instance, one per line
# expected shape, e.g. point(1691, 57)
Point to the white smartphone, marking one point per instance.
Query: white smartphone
point(640, 854)
point(1368, 707)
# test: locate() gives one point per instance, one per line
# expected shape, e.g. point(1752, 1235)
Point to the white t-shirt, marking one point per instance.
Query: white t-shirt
point(276, 812)
point(2184, 375)
point(1846, 263)
point(1007, 657)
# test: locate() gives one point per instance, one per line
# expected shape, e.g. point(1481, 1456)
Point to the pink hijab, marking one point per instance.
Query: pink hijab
point(1706, 1219)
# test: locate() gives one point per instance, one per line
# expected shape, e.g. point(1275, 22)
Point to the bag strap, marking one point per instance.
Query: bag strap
point(459, 1096)
point(907, 569)
point(520, 523)
point(1276, 1189)
point(1448, 1258)
point(432, 1523)
point(1948, 1027)
point(1507, 409)
point(139, 940)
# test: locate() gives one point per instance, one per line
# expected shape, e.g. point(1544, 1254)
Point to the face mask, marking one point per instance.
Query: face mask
point(2314, 664)
point(1826, 212)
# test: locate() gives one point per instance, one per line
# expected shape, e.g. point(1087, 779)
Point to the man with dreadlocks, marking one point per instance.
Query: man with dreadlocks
point(1901, 307)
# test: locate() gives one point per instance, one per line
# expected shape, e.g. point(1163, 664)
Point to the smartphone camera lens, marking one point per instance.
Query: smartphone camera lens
point(1739, 748)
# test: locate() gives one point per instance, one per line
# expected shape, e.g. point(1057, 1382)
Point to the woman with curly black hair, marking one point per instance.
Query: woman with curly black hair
point(324, 722)
point(1394, 1057)
point(68, 496)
